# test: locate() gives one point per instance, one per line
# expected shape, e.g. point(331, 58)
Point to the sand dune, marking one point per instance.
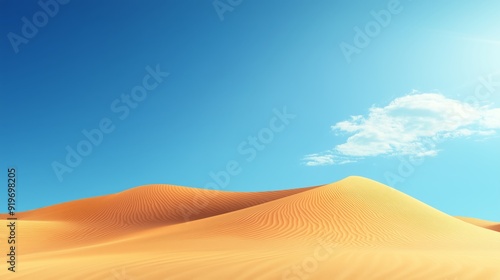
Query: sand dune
point(482, 223)
point(352, 229)
point(106, 218)
point(495, 227)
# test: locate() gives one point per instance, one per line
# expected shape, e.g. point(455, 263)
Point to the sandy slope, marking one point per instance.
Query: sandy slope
point(482, 223)
point(106, 218)
point(352, 229)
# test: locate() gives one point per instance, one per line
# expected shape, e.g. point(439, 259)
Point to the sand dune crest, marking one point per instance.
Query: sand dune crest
point(352, 229)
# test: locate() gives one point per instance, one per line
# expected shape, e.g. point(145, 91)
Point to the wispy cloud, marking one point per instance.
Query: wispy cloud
point(325, 158)
point(410, 125)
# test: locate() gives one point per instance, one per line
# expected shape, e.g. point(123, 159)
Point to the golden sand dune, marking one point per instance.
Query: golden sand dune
point(495, 227)
point(104, 218)
point(352, 229)
point(482, 223)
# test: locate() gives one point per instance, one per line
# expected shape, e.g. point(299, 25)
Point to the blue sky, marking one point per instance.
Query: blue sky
point(235, 72)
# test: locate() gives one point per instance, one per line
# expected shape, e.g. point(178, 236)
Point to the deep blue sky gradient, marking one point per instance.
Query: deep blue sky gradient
point(226, 78)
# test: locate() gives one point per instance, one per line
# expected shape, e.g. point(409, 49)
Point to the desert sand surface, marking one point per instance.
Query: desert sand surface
point(482, 223)
point(355, 228)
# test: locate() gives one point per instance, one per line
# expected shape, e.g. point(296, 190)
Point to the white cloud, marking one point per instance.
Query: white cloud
point(318, 159)
point(325, 158)
point(410, 125)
